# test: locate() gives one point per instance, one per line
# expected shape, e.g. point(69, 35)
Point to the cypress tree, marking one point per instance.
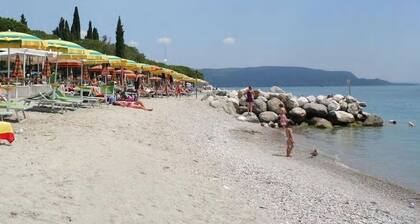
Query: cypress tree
point(95, 34)
point(119, 37)
point(66, 31)
point(59, 31)
point(23, 20)
point(75, 26)
point(89, 34)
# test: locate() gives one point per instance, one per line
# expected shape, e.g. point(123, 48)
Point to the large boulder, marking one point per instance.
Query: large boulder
point(353, 108)
point(242, 102)
point(283, 97)
point(338, 97)
point(229, 107)
point(216, 103)
point(342, 117)
point(350, 99)
point(275, 105)
point(373, 120)
point(362, 104)
point(268, 116)
point(242, 109)
point(207, 96)
point(276, 89)
point(259, 106)
point(343, 105)
point(333, 106)
point(235, 101)
point(311, 99)
point(297, 114)
point(320, 123)
point(263, 98)
point(232, 94)
point(291, 103)
point(220, 92)
point(315, 110)
point(302, 101)
point(320, 98)
point(250, 117)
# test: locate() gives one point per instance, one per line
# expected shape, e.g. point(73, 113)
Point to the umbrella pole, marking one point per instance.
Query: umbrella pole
point(8, 63)
point(81, 81)
point(24, 67)
point(56, 70)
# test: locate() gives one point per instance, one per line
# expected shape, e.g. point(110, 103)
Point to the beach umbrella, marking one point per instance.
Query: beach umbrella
point(17, 71)
point(64, 46)
point(69, 64)
point(46, 71)
point(9, 39)
point(155, 79)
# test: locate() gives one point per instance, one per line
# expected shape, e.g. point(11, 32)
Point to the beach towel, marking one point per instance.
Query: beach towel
point(6, 132)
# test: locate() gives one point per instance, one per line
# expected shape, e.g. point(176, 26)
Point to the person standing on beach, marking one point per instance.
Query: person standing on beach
point(249, 98)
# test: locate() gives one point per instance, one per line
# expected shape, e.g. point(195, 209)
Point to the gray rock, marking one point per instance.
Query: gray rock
point(350, 99)
point(229, 107)
point(320, 123)
point(251, 117)
point(373, 120)
point(333, 106)
point(242, 109)
point(291, 103)
point(353, 108)
point(338, 97)
point(302, 101)
point(342, 117)
point(275, 105)
point(233, 94)
point(272, 95)
point(276, 89)
point(216, 103)
point(320, 98)
point(297, 114)
point(362, 104)
point(206, 97)
point(259, 106)
point(220, 92)
point(242, 102)
point(315, 110)
point(343, 105)
point(283, 97)
point(311, 99)
point(263, 98)
point(235, 101)
point(268, 116)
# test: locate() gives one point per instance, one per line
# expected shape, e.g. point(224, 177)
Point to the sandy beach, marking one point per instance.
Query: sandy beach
point(182, 163)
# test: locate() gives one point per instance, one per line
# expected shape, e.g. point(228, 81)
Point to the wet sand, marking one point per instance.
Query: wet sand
point(182, 163)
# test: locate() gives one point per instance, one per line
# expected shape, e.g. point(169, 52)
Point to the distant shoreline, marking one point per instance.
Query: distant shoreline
point(396, 84)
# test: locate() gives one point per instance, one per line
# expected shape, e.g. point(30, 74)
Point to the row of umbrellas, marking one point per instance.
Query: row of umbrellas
point(71, 51)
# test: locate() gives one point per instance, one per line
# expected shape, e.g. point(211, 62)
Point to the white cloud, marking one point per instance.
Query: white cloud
point(229, 40)
point(132, 43)
point(83, 33)
point(164, 40)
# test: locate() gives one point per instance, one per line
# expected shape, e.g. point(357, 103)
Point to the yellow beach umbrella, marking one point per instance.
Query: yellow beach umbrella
point(9, 39)
point(64, 46)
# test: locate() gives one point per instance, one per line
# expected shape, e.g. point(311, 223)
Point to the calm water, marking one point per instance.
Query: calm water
point(392, 152)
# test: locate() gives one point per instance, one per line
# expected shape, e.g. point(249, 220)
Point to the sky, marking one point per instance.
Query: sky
point(373, 39)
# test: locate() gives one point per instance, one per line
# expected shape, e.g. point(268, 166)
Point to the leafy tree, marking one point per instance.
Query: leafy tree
point(23, 20)
point(89, 34)
point(95, 34)
point(119, 37)
point(75, 26)
point(13, 25)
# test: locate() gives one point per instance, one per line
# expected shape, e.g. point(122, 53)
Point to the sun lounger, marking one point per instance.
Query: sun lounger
point(75, 99)
point(5, 113)
point(55, 103)
point(17, 106)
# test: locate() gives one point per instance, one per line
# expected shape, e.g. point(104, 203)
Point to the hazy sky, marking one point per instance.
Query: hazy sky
point(372, 38)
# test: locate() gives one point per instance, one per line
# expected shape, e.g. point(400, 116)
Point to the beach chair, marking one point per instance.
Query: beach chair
point(76, 99)
point(17, 106)
point(55, 104)
point(5, 113)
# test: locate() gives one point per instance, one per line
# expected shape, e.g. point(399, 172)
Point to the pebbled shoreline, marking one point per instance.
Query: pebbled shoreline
point(183, 162)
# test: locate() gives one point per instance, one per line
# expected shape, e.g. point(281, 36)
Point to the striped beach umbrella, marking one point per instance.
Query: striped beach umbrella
point(46, 71)
point(11, 39)
point(17, 71)
point(64, 46)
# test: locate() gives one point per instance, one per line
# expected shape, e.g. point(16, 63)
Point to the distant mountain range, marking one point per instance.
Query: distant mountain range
point(284, 76)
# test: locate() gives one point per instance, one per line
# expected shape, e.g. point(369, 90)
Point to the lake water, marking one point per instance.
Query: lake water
point(392, 152)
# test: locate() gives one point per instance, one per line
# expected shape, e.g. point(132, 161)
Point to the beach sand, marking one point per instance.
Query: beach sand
point(182, 163)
